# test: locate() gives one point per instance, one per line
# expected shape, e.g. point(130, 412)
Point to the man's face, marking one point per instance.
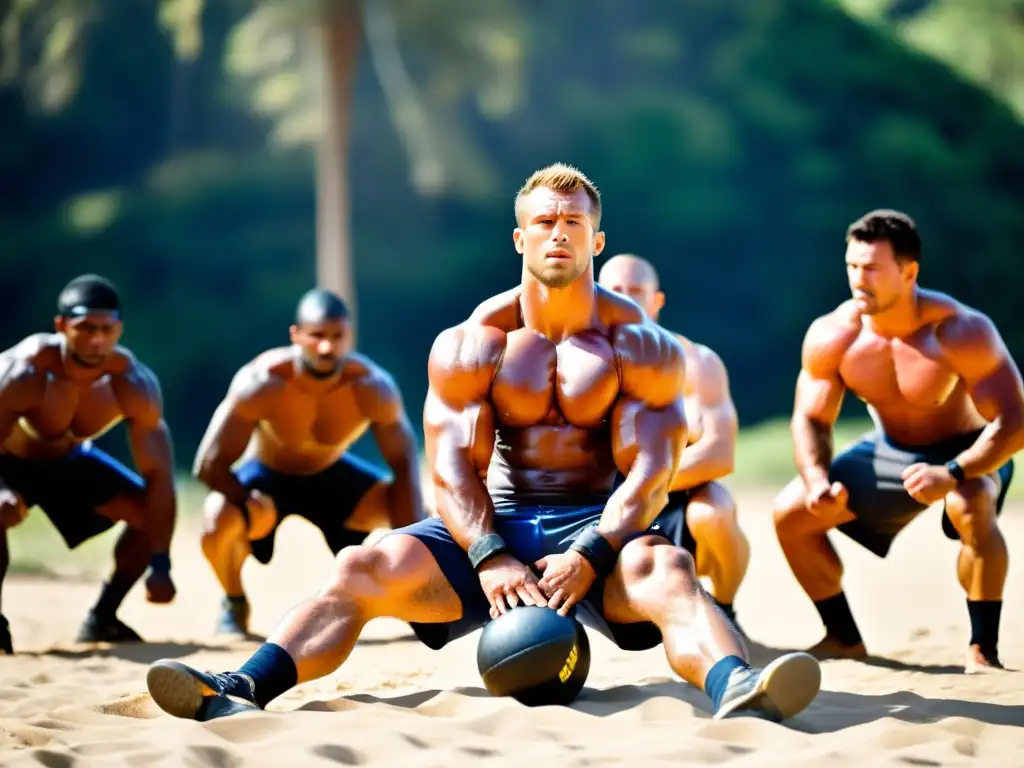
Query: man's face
point(91, 337)
point(323, 345)
point(630, 279)
point(877, 279)
point(556, 236)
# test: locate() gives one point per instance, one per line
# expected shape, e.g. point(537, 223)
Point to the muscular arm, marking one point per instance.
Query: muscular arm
point(382, 403)
point(229, 432)
point(713, 455)
point(819, 397)
point(20, 389)
point(648, 429)
point(459, 427)
point(152, 450)
point(977, 353)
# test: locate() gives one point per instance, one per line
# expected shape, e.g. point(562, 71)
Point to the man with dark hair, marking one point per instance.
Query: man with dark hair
point(948, 403)
point(59, 391)
point(291, 414)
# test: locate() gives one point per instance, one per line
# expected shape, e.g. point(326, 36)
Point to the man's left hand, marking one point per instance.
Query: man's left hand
point(565, 579)
point(927, 483)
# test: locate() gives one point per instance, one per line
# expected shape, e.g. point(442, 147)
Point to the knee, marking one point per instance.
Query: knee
point(670, 568)
point(787, 510)
point(712, 513)
point(357, 573)
point(972, 510)
point(220, 521)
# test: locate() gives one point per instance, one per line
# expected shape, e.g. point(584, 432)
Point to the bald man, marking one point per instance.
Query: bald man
point(701, 513)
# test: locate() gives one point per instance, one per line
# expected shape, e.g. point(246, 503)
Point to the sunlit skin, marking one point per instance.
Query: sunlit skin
point(928, 368)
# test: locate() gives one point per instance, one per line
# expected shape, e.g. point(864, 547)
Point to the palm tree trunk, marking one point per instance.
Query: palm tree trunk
point(341, 36)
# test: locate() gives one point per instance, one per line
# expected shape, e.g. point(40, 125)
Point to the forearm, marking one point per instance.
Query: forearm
point(636, 503)
point(996, 444)
point(463, 503)
point(218, 477)
point(405, 506)
point(703, 462)
point(161, 509)
point(812, 447)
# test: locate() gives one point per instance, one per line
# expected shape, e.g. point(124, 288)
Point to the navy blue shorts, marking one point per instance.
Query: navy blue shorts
point(70, 489)
point(530, 531)
point(326, 499)
point(872, 469)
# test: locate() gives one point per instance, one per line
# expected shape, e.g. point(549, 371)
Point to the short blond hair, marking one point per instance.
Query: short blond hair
point(560, 177)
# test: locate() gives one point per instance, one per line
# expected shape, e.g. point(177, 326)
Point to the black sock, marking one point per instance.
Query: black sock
point(835, 615)
point(717, 679)
point(272, 672)
point(111, 596)
point(237, 601)
point(985, 624)
point(727, 609)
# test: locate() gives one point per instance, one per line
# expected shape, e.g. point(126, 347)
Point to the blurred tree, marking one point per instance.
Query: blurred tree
point(301, 56)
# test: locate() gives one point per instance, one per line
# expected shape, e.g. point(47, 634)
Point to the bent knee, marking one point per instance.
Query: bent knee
point(647, 560)
point(221, 518)
point(712, 510)
point(972, 509)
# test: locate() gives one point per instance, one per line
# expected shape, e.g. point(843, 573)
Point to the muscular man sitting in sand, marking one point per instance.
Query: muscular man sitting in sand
point(59, 391)
point(535, 403)
point(949, 406)
point(294, 411)
point(701, 513)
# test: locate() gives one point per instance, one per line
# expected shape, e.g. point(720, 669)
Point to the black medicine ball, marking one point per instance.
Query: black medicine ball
point(535, 656)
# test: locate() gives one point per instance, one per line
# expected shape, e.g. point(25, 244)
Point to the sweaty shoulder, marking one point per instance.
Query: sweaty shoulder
point(501, 311)
point(135, 386)
point(375, 389)
point(827, 339)
point(22, 375)
point(963, 332)
point(260, 381)
point(463, 361)
point(652, 362)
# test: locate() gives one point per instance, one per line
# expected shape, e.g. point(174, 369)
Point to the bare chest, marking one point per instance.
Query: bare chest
point(894, 371)
point(574, 382)
point(72, 412)
point(306, 422)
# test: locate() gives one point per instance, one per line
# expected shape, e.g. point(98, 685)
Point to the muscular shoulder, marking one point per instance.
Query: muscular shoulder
point(136, 387)
point(257, 383)
point(967, 336)
point(652, 362)
point(827, 339)
point(501, 311)
point(463, 361)
point(22, 372)
point(376, 390)
point(614, 309)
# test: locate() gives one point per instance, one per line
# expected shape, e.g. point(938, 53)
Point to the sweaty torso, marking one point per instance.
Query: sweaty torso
point(910, 388)
point(61, 412)
point(553, 403)
point(306, 426)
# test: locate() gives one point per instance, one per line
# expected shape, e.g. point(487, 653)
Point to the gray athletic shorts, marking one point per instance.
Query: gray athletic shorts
point(872, 469)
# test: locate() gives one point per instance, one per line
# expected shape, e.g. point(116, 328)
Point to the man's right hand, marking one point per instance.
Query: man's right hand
point(826, 499)
point(12, 508)
point(507, 582)
point(262, 515)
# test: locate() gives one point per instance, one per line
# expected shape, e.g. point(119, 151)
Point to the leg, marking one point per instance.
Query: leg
point(6, 643)
point(225, 544)
point(981, 565)
point(722, 549)
point(398, 577)
point(816, 566)
point(371, 511)
point(655, 581)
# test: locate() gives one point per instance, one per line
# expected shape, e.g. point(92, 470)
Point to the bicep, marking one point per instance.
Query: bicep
point(150, 440)
point(645, 439)
point(818, 398)
point(999, 392)
point(457, 437)
point(229, 431)
point(718, 412)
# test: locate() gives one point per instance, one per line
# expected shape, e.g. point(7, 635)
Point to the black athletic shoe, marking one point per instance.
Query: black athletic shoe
point(782, 689)
point(106, 629)
point(234, 617)
point(182, 691)
point(6, 644)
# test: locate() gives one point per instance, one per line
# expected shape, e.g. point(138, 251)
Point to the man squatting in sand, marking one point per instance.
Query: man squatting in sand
point(949, 408)
point(59, 391)
point(535, 403)
point(701, 513)
point(294, 412)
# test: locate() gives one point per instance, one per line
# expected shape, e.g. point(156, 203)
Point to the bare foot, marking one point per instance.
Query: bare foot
point(831, 648)
point(978, 662)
